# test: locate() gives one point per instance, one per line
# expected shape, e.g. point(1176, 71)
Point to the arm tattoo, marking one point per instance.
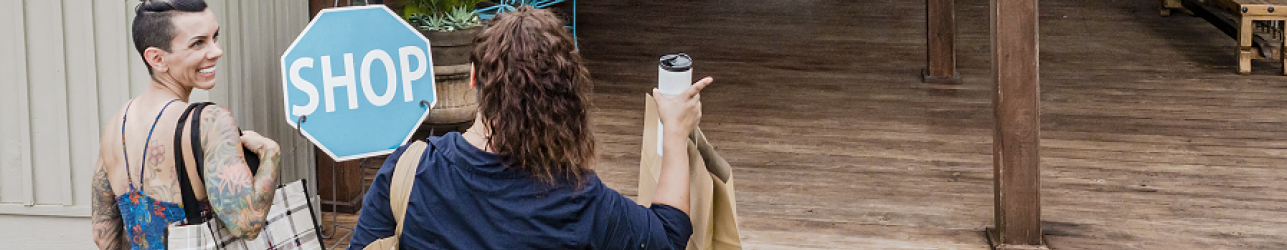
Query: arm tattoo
point(107, 224)
point(238, 198)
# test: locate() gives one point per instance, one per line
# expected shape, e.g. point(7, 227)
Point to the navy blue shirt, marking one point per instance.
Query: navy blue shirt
point(464, 198)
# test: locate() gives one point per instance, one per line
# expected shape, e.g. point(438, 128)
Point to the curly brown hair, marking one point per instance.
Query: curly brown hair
point(533, 95)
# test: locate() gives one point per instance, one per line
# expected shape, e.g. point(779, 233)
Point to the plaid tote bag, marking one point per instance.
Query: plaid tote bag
point(291, 220)
point(291, 225)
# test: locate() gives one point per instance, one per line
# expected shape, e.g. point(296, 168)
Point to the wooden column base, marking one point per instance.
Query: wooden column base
point(344, 189)
point(994, 241)
point(1166, 6)
point(927, 78)
point(1244, 60)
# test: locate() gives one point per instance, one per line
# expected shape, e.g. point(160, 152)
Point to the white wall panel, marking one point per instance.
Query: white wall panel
point(70, 65)
point(69, 233)
point(82, 97)
point(112, 57)
point(47, 86)
point(15, 127)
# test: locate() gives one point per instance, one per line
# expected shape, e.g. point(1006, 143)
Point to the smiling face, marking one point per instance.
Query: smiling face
point(194, 50)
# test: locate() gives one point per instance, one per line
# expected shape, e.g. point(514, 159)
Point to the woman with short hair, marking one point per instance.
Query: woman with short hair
point(135, 184)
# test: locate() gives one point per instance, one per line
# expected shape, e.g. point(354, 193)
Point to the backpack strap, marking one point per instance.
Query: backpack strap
point(403, 179)
point(190, 204)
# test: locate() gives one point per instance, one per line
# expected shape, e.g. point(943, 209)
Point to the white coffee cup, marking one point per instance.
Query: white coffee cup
point(674, 75)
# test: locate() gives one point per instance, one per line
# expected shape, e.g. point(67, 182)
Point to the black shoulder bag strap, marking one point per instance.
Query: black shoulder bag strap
point(190, 203)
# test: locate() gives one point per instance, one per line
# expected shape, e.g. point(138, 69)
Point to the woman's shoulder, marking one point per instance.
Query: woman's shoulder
point(391, 161)
point(214, 118)
point(109, 141)
point(211, 111)
point(591, 184)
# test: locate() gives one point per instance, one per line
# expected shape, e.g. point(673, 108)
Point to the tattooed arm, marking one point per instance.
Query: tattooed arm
point(239, 199)
point(108, 226)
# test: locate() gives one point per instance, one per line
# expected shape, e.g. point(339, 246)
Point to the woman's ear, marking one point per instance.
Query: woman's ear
point(473, 84)
point(155, 58)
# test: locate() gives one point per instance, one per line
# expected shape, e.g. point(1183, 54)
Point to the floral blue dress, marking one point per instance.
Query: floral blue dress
point(145, 218)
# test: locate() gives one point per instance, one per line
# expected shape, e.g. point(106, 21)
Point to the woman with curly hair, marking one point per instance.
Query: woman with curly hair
point(521, 177)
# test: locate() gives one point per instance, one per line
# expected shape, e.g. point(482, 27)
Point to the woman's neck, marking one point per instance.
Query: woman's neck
point(168, 90)
point(478, 135)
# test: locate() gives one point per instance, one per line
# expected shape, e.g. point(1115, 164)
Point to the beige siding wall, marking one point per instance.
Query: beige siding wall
point(45, 232)
point(66, 66)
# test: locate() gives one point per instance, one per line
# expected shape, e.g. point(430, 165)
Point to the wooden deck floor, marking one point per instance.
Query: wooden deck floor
point(1150, 140)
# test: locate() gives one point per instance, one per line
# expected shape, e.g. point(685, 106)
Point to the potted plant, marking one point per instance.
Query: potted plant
point(450, 26)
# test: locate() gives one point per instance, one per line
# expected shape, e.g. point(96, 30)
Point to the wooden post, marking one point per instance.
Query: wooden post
point(1165, 6)
point(941, 39)
point(1245, 51)
point(1016, 138)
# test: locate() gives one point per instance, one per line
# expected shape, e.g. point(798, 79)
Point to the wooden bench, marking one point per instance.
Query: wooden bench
point(1238, 19)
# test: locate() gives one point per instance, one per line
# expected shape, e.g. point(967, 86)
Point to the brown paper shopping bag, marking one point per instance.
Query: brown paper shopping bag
point(714, 208)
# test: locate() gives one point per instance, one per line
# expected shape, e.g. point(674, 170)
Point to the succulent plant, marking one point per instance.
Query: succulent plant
point(442, 15)
point(458, 18)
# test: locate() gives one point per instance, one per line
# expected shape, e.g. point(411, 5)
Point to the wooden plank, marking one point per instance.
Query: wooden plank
point(1226, 22)
point(941, 39)
point(82, 99)
point(1145, 222)
point(1165, 6)
point(1259, 2)
point(1252, 7)
point(1016, 153)
point(15, 133)
point(1245, 52)
point(1258, 8)
point(46, 58)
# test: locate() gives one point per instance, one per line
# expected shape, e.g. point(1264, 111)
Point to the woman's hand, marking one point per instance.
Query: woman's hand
point(681, 113)
point(258, 143)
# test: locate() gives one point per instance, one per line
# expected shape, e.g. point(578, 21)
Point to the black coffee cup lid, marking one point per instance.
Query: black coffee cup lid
point(676, 62)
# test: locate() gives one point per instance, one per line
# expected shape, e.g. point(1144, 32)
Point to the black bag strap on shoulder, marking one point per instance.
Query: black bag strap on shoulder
point(191, 206)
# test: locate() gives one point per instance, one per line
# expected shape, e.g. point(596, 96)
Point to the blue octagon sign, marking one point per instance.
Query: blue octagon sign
point(358, 76)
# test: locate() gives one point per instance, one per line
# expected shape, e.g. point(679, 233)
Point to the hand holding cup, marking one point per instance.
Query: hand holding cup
point(681, 113)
